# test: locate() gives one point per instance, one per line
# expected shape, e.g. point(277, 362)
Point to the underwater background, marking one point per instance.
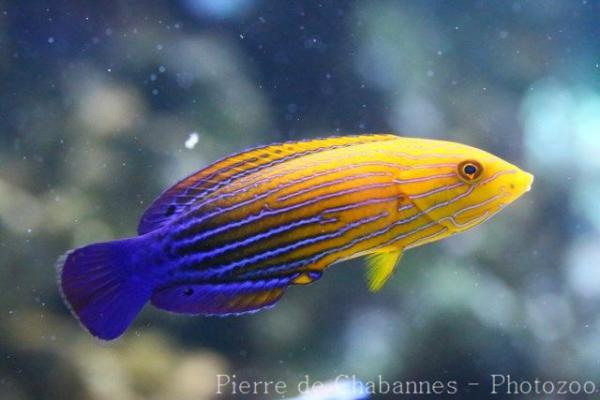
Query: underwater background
point(103, 105)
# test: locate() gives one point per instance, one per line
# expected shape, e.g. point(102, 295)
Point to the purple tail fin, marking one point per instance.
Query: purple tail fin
point(99, 287)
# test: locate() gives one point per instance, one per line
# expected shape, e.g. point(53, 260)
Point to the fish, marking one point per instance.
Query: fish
point(231, 238)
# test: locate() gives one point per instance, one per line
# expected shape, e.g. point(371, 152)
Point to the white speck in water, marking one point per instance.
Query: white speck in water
point(241, 36)
point(154, 92)
point(153, 77)
point(192, 140)
point(161, 69)
point(50, 40)
point(159, 47)
point(29, 230)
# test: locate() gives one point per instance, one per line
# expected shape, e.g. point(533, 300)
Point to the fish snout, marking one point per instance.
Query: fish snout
point(520, 183)
point(525, 181)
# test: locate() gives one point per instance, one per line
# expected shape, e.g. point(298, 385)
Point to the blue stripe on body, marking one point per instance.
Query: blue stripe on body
point(268, 212)
point(320, 218)
point(225, 270)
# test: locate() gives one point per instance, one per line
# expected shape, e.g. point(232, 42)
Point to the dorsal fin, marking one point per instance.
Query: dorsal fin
point(380, 266)
point(179, 197)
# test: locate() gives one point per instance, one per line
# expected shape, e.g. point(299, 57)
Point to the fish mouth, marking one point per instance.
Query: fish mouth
point(530, 178)
point(520, 182)
point(525, 181)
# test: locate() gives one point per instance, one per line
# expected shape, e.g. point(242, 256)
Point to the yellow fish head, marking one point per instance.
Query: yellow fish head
point(473, 186)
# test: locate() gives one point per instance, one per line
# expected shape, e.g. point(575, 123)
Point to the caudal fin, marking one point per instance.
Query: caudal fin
point(99, 286)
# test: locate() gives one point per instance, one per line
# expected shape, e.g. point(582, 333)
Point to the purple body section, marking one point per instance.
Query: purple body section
point(105, 285)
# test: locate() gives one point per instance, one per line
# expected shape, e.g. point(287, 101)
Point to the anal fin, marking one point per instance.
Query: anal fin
point(220, 298)
point(380, 266)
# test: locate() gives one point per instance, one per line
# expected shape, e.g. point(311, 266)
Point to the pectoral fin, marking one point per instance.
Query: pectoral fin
point(380, 266)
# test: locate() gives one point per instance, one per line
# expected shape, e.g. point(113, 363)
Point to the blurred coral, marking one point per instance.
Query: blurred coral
point(99, 108)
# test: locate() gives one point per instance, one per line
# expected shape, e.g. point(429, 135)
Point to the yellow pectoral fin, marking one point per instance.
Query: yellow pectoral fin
point(380, 266)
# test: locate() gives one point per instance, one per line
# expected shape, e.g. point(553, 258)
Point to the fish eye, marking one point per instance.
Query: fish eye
point(469, 171)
